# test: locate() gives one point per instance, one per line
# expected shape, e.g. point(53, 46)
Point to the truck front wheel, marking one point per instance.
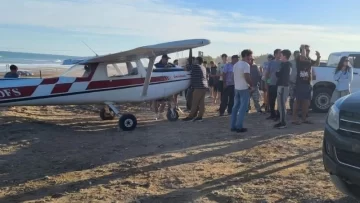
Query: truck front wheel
point(321, 100)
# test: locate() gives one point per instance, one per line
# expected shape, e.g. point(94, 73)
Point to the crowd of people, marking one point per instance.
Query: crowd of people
point(238, 81)
point(232, 84)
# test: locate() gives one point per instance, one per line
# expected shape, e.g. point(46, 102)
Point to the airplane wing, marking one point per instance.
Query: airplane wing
point(148, 51)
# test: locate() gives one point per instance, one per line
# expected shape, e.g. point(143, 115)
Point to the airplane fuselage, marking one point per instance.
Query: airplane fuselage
point(96, 88)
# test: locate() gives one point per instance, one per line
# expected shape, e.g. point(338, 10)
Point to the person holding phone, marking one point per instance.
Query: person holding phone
point(343, 76)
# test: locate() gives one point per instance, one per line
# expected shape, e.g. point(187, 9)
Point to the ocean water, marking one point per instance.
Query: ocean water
point(26, 61)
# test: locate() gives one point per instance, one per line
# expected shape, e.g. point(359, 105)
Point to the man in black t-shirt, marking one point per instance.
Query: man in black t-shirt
point(282, 83)
point(303, 83)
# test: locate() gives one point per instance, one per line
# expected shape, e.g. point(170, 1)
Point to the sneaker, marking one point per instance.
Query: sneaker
point(260, 112)
point(221, 114)
point(199, 119)
point(280, 125)
point(187, 119)
point(241, 130)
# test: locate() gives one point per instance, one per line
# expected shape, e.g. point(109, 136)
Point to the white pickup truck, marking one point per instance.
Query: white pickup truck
point(324, 83)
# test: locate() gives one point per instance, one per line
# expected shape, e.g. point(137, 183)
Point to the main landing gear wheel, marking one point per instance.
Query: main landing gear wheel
point(172, 115)
point(127, 122)
point(107, 116)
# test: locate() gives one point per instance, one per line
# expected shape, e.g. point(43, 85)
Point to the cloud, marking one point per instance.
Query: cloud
point(173, 20)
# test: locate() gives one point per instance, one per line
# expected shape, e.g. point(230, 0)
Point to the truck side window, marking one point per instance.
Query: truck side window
point(356, 63)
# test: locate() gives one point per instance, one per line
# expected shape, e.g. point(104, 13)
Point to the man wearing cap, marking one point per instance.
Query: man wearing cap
point(164, 62)
point(227, 99)
point(160, 104)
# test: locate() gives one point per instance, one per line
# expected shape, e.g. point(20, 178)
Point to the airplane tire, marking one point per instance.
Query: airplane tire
point(127, 122)
point(104, 116)
point(172, 116)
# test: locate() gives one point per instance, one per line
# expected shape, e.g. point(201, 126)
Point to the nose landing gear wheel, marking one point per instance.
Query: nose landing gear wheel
point(172, 115)
point(127, 122)
point(106, 116)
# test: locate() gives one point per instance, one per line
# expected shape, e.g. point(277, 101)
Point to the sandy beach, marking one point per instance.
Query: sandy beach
point(67, 154)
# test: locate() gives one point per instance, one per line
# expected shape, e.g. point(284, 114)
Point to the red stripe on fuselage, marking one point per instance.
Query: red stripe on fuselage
point(49, 81)
point(122, 82)
point(16, 92)
point(61, 88)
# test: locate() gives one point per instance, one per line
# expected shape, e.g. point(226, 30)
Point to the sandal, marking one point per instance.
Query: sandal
point(308, 122)
point(296, 123)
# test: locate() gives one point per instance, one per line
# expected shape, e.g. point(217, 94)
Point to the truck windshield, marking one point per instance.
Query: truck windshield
point(334, 60)
point(354, 60)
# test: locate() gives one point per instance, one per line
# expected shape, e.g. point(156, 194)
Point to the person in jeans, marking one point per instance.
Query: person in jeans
point(189, 91)
point(227, 99)
point(199, 84)
point(213, 81)
point(242, 81)
point(264, 84)
point(221, 84)
point(283, 76)
point(343, 76)
point(303, 83)
point(274, 66)
point(255, 78)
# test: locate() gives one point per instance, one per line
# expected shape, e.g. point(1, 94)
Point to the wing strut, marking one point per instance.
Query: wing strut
point(148, 76)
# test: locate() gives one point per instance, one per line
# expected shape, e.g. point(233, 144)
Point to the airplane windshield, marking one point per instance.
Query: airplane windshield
point(78, 71)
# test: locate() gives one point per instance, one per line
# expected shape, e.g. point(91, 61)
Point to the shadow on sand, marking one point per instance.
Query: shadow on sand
point(48, 148)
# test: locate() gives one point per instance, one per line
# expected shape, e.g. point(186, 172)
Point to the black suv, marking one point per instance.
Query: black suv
point(341, 145)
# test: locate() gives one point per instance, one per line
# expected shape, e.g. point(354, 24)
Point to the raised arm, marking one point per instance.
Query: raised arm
point(337, 75)
point(317, 61)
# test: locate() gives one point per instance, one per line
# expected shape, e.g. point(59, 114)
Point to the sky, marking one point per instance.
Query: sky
point(110, 26)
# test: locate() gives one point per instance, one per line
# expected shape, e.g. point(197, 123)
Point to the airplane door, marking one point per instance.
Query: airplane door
point(167, 86)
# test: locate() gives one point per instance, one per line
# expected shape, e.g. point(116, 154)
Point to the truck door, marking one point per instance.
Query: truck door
point(354, 59)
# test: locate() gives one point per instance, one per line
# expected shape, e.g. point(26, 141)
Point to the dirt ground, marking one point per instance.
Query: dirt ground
point(67, 154)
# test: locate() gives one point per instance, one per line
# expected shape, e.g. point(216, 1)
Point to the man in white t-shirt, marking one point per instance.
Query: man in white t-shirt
point(242, 81)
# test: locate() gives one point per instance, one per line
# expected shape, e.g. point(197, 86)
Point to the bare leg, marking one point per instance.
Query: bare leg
point(215, 97)
point(305, 109)
point(295, 116)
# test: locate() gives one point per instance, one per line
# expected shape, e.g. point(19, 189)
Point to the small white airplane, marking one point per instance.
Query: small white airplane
point(108, 79)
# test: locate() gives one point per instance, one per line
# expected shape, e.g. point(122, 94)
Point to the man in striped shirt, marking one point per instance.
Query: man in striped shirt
point(199, 84)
